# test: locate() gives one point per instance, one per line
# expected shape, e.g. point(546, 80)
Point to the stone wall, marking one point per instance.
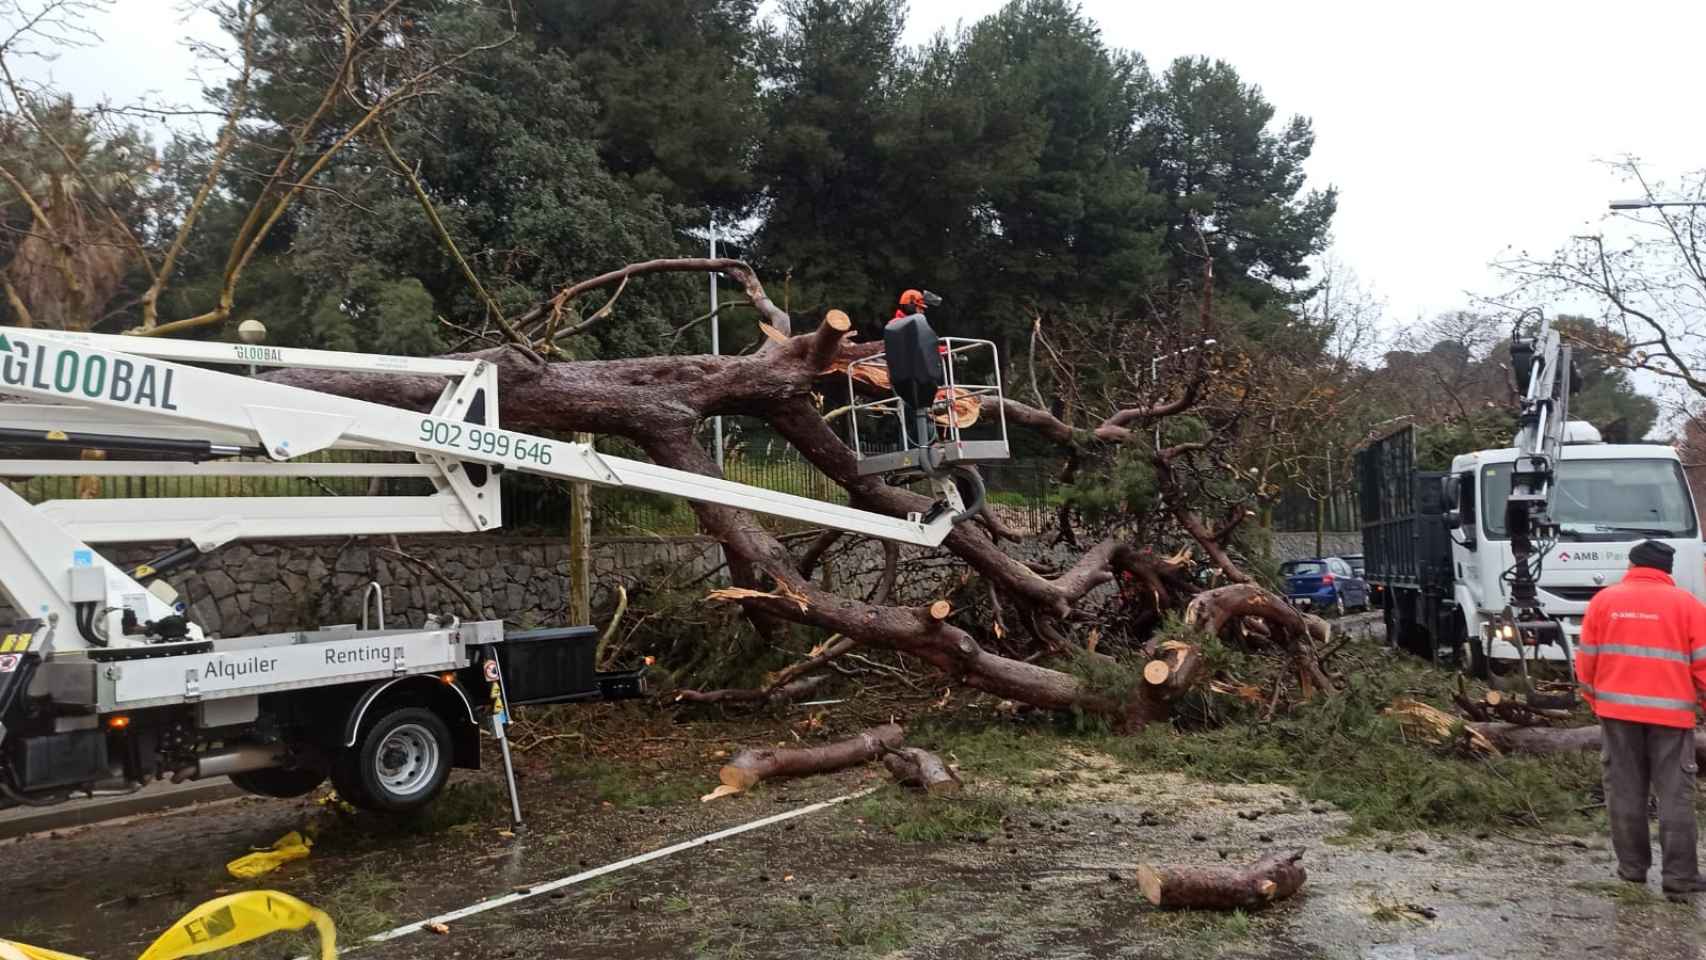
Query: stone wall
point(1293, 546)
point(256, 587)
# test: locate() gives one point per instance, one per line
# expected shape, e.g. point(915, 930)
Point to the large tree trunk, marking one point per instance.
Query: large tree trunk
point(1221, 608)
point(1512, 738)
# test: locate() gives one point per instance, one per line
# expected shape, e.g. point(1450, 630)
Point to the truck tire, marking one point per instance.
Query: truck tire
point(1478, 665)
point(399, 763)
point(279, 782)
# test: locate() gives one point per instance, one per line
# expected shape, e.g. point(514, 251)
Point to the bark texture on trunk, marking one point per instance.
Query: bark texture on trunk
point(753, 766)
point(921, 770)
point(1223, 888)
point(1517, 738)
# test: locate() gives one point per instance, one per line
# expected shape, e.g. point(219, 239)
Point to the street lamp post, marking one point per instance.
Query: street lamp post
point(1155, 375)
point(716, 341)
point(252, 332)
point(1654, 204)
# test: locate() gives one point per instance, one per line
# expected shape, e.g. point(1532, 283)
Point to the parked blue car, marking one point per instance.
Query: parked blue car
point(1324, 583)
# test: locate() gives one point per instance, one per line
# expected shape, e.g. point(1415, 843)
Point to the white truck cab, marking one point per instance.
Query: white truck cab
point(1607, 498)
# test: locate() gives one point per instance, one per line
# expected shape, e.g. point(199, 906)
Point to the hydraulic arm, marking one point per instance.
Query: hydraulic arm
point(141, 396)
point(1545, 378)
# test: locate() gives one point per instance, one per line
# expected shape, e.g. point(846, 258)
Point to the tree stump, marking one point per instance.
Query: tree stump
point(921, 770)
point(1174, 670)
point(1223, 888)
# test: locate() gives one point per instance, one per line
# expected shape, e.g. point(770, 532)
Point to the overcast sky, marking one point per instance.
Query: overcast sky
point(1453, 130)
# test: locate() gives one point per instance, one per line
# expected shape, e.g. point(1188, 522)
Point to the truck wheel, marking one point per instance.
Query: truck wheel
point(1478, 667)
point(278, 782)
point(399, 762)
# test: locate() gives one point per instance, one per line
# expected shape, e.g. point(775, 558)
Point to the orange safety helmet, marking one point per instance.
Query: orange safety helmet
point(912, 298)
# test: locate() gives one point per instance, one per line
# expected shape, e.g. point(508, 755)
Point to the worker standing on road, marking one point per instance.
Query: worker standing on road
point(1642, 667)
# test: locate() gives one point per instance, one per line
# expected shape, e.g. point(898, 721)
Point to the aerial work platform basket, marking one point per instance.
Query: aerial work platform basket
point(941, 405)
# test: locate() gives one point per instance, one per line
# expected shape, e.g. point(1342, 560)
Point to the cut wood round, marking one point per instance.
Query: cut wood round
point(753, 766)
point(1169, 676)
point(838, 320)
point(1223, 888)
point(940, 610)
point(921, 770)
point(1493, 698)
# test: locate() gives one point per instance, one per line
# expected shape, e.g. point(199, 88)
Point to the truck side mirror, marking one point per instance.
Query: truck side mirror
point(1454, 520)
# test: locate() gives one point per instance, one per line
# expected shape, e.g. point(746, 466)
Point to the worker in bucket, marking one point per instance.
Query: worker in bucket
point(912, 350)
point(915, 301)
point(1642, 667)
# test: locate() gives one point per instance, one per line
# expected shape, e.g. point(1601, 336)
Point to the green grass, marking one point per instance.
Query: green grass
point(361, 904)
point(874, 925)
point(915, 818)
point(1339, 748)
point(1629, 894)
point(463, 806)
point(630, 785)
point(1203, 933)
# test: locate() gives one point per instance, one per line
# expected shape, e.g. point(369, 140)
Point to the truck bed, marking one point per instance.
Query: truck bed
point(1404, 540)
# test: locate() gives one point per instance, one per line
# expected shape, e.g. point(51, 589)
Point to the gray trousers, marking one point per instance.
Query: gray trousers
point(1643, 758)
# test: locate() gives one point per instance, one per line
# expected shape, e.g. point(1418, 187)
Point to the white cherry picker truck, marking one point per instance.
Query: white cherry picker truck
point(107, 685)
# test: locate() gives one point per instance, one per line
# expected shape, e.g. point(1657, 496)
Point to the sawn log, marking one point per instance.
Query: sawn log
point(1223, 888)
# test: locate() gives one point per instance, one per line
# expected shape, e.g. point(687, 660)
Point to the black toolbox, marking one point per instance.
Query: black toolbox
point(557, 665)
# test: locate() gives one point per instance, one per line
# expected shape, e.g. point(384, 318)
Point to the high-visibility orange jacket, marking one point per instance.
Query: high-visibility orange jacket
point(1643, 651)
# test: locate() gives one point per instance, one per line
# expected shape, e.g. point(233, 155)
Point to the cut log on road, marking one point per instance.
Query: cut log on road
point(921, 770)
point(1175, 669)
point(1223, 888)
point(1513, 738)
point(753, 766)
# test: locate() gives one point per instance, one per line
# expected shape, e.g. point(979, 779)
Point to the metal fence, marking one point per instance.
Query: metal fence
point(1296, 511)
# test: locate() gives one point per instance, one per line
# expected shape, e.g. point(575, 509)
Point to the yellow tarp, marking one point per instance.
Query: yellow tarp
point(291, 846)
point(217, 925)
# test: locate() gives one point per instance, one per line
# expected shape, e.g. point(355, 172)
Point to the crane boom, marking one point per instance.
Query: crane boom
point(1545, 377)
point(1544, 374)
point(137, 394)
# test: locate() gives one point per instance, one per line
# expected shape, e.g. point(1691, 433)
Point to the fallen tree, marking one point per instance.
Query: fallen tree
point(659, 402)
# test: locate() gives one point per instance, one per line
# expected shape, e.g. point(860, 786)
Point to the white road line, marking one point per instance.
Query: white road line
point(569, 881)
